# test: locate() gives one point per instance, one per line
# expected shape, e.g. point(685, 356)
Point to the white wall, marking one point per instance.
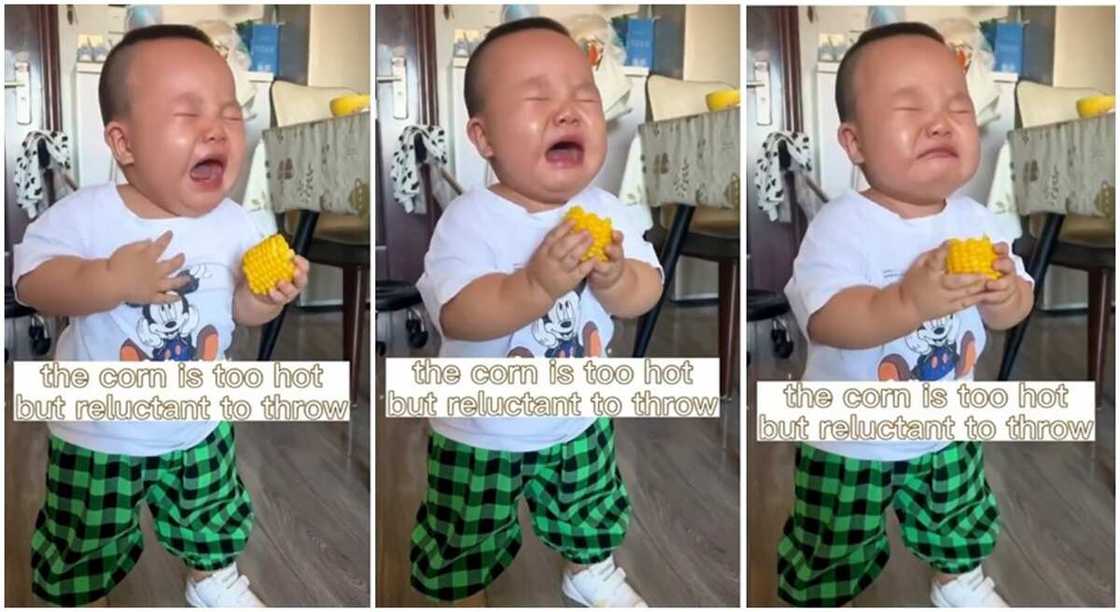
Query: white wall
point(92, 19)
point(842, 19)
point(711, 43)
point(1085, 47)
point(339, 47)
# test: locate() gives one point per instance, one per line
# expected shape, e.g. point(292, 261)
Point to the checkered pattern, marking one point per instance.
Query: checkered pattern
point(835, 543)
point(87, 535)
point(467, 532)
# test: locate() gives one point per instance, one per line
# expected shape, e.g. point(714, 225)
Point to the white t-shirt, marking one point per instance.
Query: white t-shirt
point(91, 224)
point(483, 233)
point(854, 241)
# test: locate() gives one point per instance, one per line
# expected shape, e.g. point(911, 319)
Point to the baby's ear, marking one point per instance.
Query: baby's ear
point(476, 131)
point(116, 136)
point(848, 136)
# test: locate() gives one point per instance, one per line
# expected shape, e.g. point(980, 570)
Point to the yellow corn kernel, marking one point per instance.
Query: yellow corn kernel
point(972, 256)
point(599, 228)
point(268, 263)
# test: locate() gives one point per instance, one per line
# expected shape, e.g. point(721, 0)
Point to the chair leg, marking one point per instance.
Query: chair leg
point(354, 279)
point(1099, 307)
point(301, 243)
point(269, 334)
point(670, 253)
point(1040, 261)
point(728, 321)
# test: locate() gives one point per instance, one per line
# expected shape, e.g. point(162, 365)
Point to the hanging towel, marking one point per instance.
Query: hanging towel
point(405, 172)
point(29, 171)
point(768, 174)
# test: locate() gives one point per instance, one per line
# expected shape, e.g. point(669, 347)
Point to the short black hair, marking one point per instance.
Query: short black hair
point(845, 95)
point(471, 92)
point(112, 88)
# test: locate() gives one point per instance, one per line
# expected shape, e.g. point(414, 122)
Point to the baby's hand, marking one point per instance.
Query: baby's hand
point(606, 273)
point(933, 292)
point(555, 266)
point(139, 275)
point(1002, 290)
point(285, 292)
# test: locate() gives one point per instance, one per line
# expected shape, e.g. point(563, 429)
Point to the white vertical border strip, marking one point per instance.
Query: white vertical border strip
point(3, 382)
point(744, 379)
point(372, 348)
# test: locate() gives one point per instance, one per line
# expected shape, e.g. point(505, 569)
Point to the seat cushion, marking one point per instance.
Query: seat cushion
point(1090, 232)
point(396, 295)
point(346, 229)
point(763, 304)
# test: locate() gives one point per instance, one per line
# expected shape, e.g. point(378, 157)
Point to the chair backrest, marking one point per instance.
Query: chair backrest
point(294, 103)
point(671, 98)
point(1041, 104)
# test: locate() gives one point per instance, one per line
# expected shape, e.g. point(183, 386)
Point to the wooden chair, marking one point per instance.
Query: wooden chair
point(712, 234)
point(1083, 243)
point(332, 239)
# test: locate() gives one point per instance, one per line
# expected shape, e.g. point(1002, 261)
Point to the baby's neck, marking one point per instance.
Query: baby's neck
point(905, 208)
point(523, 200)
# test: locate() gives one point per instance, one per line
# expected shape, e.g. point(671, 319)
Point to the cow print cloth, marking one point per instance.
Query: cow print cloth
point(29, 174)
point(768, 174)
point(405, 172)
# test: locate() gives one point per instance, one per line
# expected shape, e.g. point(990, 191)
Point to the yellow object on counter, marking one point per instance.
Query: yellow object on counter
point(724, 98)
point(599, 228)
point(349, 104)
point(268, 263)
point(1095, 105)
point(972, 256)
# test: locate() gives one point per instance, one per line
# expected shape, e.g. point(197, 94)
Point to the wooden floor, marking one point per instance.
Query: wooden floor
point(310, 545)
point(1056, 500)
point(683, 545)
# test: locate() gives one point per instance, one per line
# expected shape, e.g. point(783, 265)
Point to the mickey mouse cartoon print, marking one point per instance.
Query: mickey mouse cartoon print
point(939, 353)
point(560, 333)
point(168, 330)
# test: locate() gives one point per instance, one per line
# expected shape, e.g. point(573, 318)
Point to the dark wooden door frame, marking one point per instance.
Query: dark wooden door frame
point(402, 238)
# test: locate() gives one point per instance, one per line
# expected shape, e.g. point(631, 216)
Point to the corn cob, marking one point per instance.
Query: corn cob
point(268, 263)
point(598, 227)
point(972, 256)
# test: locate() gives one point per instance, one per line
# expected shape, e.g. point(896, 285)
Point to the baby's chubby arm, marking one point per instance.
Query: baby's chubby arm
point(863, 317)
point(497, 305)
point(72, 286)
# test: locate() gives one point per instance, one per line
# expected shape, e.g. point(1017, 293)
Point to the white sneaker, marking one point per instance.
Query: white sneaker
point(971, 590)
point(225, 588)
point(601, 586)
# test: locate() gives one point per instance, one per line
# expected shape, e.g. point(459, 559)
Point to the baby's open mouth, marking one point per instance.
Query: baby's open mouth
point(565, 153)
point(209, 172)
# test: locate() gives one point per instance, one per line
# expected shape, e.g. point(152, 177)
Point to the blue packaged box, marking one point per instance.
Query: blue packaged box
point(639, 42)
point(265, 58)
point(1006, 40)
point(263, 41)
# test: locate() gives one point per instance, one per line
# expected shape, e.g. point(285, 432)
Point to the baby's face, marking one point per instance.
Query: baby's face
point(915, 127)
point(541, 124)
point(184, 126)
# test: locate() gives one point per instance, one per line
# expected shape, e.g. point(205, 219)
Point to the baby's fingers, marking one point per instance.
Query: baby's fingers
point(961, 281)
point(171, 283)
point(159, 245)
point(168, 266)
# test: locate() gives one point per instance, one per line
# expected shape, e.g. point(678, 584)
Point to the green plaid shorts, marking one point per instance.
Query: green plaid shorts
point(467, 531)
point(87, 534)
point(835, 543)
